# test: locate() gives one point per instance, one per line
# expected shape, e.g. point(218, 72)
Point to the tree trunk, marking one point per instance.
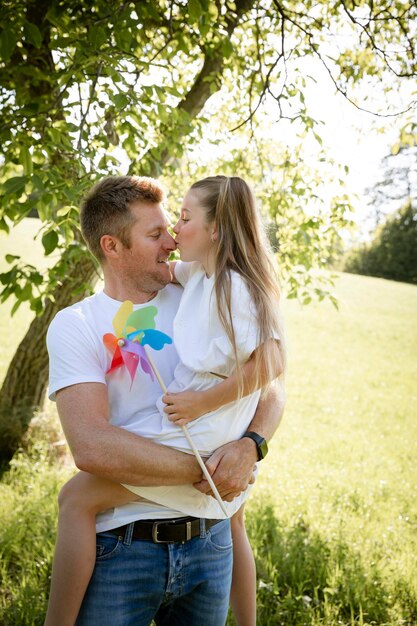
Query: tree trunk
point(24, 387)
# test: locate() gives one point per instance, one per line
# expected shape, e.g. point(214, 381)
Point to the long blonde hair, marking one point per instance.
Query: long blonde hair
point(242, 246)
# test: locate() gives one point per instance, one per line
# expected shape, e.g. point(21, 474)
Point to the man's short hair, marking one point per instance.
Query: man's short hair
point(106, 208)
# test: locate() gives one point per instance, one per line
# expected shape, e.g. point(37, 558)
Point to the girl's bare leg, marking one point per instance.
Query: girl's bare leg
point(243, 591)
point(80, 499)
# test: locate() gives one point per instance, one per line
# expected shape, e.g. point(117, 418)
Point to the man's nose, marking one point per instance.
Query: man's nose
point(169, 242)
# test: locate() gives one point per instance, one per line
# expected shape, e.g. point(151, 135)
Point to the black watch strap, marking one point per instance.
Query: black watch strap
point(261, 444)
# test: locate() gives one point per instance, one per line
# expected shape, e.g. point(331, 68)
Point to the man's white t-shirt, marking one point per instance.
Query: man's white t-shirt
point(77, 354)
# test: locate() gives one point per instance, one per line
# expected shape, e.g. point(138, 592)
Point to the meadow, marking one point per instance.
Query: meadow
point(333, 516)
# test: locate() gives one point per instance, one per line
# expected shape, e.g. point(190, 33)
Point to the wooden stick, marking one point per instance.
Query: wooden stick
point(189, 439)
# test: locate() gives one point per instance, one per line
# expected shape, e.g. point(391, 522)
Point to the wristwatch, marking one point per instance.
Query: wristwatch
point(261, 444)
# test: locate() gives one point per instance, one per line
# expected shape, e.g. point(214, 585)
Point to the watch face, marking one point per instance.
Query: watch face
point(263, 449)
point(261, 444)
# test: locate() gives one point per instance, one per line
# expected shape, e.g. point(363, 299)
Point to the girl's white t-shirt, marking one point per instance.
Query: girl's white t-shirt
point(206, 355)
point(204, 351)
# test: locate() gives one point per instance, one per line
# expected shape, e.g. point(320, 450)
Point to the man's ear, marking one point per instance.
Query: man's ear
point(110, 246)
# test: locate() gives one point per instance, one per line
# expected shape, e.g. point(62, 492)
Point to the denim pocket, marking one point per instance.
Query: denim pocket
point(219, 537)
point(107, 546)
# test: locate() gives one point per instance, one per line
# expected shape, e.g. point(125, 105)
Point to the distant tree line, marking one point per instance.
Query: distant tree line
point(392, 253)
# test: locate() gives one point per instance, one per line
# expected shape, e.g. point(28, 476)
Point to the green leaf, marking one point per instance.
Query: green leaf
point(32, 34)
point(203, 27)
point(26, 160)
point(50, 241)
point(15, 185)
point(15, 307)
point(318, 138)
point(6, 277)
point(123, 39)
point(8, 41)
point(36, 278)
point(3, 225)
point(162, 111)
point(37, 181)
point(97, 36)
point(120, 100)
point(11, 257)
point(109, 158)
point(37, 306)
point(212, 11)
point(57, 16)
point(227, 48)
point(65, 210)
point(194, 10)
point(44, 206)
point(182, 45)
point(26, 292)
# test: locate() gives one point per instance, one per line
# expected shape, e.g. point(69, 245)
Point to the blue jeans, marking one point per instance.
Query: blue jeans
point(176, 584)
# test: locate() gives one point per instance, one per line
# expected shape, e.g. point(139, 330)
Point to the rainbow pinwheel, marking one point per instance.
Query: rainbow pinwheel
point(133, 330)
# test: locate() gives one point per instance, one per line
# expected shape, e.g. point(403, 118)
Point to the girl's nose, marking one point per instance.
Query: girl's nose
point(176, 228)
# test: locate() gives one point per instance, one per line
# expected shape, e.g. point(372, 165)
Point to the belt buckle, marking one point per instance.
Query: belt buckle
point(188, 531)
point(155, 533)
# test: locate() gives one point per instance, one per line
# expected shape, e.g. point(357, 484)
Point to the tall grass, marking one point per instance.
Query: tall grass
point(333, 517)
point(28, 514)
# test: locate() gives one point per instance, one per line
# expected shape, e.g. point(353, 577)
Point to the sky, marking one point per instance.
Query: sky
point(354, 137)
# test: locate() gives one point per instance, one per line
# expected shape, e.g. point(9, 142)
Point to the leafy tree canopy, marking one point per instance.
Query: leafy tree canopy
point(86, 87)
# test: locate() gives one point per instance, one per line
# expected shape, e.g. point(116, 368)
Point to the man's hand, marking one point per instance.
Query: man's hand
point(232, 465)
point(232, 469)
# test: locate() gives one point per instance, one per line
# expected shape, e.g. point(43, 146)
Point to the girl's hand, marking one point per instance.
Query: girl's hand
point(184, 407)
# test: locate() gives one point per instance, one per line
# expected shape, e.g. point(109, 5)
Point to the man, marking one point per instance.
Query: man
point(149, 565)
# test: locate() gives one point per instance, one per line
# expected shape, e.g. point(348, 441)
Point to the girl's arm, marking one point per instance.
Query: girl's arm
point(188, 405)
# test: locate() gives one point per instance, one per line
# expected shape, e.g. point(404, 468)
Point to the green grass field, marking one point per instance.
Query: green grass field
point(333, 517)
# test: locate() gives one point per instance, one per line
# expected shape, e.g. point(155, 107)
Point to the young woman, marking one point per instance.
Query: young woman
point(227, 329)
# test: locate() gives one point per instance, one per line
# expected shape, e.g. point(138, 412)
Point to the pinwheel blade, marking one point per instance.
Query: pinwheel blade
point(131, 361)
point(121, 317)
point(144, 363)
point(110, 341)
point(155, 338)
point(142, 318)
point(117, 360)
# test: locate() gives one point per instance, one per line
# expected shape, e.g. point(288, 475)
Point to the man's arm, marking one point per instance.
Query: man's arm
point(112, 452)
point(231, 466)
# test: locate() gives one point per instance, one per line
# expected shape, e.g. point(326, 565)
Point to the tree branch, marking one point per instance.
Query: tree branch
point(207, 81)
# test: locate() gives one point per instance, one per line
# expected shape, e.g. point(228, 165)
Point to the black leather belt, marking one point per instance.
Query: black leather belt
point(166, 530)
